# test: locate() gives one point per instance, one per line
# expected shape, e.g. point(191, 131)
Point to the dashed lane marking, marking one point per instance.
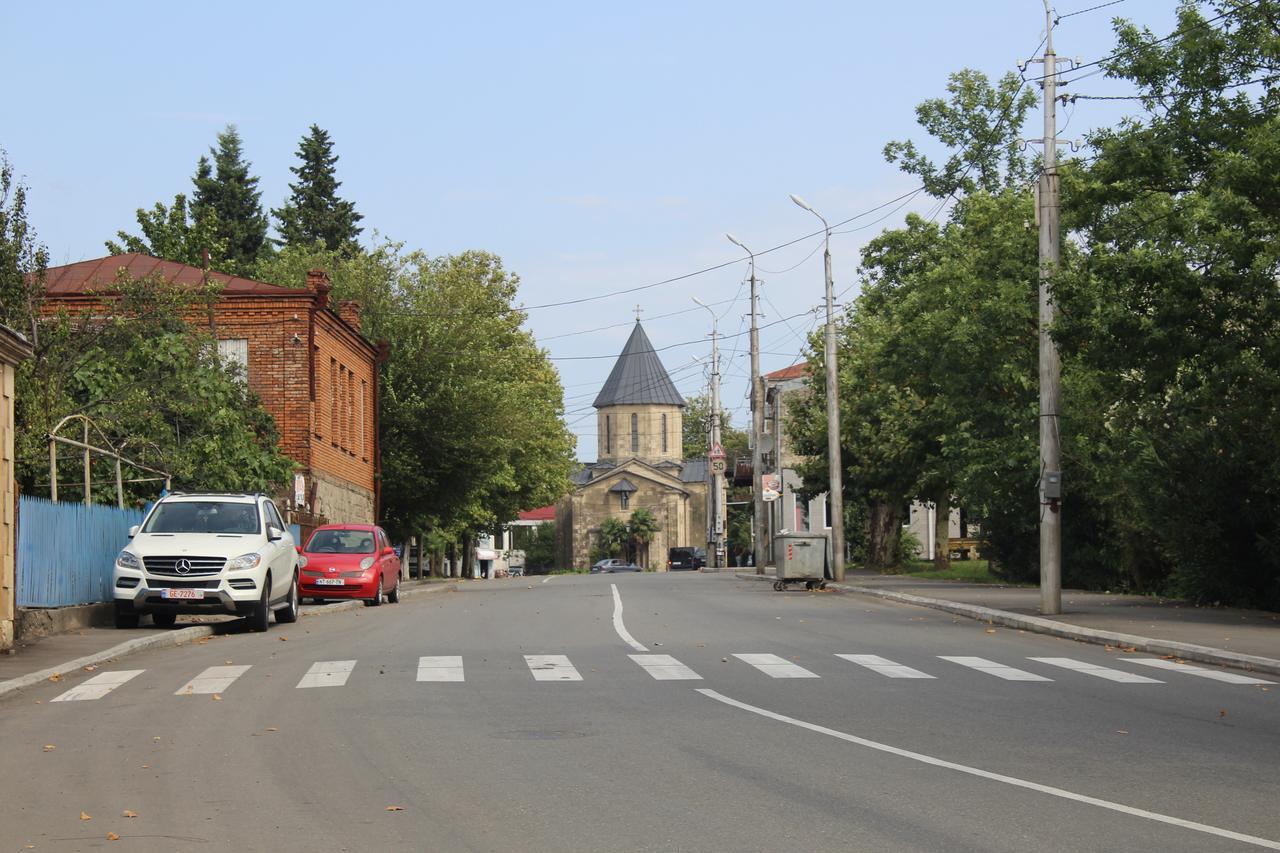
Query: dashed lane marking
point(1099, 671)
point(776, 667)
point(552, 668)
point(98, 686)
point(215, 679)
point(884, 666)
point(999, 670)
point(440, 668)
point(328, 673)
point(665, 668)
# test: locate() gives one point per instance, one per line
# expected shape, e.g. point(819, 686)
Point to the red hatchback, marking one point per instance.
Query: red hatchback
point(349, 561)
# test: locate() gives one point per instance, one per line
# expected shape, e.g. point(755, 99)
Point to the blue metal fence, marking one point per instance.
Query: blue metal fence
point(66, 550)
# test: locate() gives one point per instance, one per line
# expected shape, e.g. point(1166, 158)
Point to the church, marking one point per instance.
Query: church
point(639, 464)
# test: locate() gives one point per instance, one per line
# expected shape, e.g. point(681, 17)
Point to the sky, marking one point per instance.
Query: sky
point(596, 147)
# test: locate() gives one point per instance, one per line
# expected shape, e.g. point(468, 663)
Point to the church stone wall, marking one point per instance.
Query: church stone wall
point(649, 426)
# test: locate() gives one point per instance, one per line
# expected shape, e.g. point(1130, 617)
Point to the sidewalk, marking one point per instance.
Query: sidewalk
point(1249, 639)
point(78, 648)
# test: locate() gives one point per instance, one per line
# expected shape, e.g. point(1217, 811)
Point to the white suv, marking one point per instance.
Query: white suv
point(203, 553)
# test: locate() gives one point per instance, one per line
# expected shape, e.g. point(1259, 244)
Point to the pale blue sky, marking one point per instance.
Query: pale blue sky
point(595, 147)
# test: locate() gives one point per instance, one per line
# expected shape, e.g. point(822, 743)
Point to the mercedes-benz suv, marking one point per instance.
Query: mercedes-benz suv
point(208, 553)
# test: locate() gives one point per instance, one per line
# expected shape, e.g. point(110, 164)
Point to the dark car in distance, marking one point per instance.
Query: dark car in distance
point(682, 559)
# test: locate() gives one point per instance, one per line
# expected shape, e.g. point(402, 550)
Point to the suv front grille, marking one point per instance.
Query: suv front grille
point(168, 566)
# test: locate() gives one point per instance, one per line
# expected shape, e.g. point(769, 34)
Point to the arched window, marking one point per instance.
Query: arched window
point(635, 433)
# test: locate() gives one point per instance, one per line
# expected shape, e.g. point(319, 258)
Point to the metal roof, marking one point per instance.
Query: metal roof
point(623, 485)
point(100, 275)
point(638, 377)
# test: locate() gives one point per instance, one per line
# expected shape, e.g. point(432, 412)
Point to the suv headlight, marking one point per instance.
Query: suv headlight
point(128, 560)
point(366, 564)
point(245, 561)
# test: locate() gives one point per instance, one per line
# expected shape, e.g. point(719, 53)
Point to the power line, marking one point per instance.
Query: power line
point(1060, 18)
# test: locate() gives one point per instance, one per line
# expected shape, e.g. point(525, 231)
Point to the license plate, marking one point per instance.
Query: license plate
point(181, 593)
point(329, 581)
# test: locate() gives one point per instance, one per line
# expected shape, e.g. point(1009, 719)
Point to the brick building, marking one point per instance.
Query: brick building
point(640, 432)
point(305, 357)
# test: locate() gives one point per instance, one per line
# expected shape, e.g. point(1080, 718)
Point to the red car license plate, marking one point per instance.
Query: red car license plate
point(181, 593)
point(329, 582)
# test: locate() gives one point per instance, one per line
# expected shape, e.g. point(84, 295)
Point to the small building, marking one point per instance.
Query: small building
point(305, 357)
point(639, 464)
point(13, 350)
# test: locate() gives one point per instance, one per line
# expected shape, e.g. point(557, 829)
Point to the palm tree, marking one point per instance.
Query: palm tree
point(641, 528)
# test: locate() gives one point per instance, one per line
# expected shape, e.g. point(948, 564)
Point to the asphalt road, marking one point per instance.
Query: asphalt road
point(741, 754)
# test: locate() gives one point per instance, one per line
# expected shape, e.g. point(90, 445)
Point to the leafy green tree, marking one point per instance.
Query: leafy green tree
point(22, 259)
point(640, 530)
point(226, 189)
point(697, 426)
point(314, 212)
point(611, 541)
point(173, 233)
point(540, 552)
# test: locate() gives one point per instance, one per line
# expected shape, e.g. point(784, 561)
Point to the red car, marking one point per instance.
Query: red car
point(349, 561)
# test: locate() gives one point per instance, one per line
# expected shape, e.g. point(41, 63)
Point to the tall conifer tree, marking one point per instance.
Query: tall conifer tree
point(314, 211)
point(227, 189)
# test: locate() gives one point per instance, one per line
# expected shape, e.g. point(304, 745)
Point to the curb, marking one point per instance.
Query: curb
point(180, 637)
point(1053, 628)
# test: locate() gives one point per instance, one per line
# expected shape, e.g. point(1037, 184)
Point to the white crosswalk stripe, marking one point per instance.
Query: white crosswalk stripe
point(990, 667)
point(328, 673)
point(1099, 671)
point(776, 667)
point(884, 666)
point(1188, 669)
point(440, 668)
point(215, 679)
point(98, 686)
point(665, 668)
point(552, 668)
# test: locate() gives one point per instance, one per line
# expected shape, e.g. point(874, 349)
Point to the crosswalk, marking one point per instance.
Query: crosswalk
point(553, 668)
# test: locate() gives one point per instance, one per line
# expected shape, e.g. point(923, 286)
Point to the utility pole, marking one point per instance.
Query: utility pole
point(835, 492)
point(716, 516)
point(760, 529)
point(1050, 485)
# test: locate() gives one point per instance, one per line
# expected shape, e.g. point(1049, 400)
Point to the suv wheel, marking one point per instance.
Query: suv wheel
point(126, 616)
point(261, 615)
point(289, 613)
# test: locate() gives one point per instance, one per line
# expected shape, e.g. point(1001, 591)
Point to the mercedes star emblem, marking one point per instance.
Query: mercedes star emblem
point(183, 566)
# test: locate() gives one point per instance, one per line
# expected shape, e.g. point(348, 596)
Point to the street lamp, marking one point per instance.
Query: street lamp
point(714, 479)
point(757, 424)
point(835, 494)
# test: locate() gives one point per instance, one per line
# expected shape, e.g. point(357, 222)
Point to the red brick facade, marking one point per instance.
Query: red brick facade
point(316, 374)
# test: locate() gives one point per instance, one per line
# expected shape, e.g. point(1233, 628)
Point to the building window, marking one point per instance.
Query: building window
point(333, 401)
point(664, 433)
point(235, 352)
point(635, 433)
point(608, 434)
point(351, 413)
point(626, 498)
point(364, 393)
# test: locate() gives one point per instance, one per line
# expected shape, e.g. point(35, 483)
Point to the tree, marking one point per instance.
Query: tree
point(226, 189)
point(697, 427)
point(22, 259)
point(175, 234)
point(314, 213)
point(640, 529)
point(611, 541)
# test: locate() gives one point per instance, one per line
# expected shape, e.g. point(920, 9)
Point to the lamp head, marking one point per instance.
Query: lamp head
point(735, 241)
point(802, 203)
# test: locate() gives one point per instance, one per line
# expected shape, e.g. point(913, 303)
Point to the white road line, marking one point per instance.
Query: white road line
point(1099, 671)
point(665, 668)
point(999, 670)
point(552, 668)
point(215, 679)
point(98, 686)
point(617, 622)
point(440, 668)
point(1188, 669)
point(776, 667)
point(885, 667)
point(547, 578)
point(997, 777)
point(328, 673)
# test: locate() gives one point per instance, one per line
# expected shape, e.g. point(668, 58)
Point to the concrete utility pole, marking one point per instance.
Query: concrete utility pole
point(835, 493)
point(716, 516)
point(1050, 365)
point(760, 529)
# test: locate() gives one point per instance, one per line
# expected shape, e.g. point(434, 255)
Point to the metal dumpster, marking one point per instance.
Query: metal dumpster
point(800, 558)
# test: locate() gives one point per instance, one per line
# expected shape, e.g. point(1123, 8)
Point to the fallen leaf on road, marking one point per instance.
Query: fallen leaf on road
point(991, 630)
point(395, 808)
point(111, 836)
point(156, 738)
point(57, 676)
point(217, 697)
point(92, 668)
point(48, 747)
point(85, 816)
point(1130, 650)
point(283, 639)
point(146, 767)
point(227, 662)
point(272, 729)
point(724, 660)
point(1121, 732)
point(128, 813)
point(1222, 713)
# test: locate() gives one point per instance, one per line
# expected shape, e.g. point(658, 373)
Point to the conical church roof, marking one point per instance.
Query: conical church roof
point(638, 377)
